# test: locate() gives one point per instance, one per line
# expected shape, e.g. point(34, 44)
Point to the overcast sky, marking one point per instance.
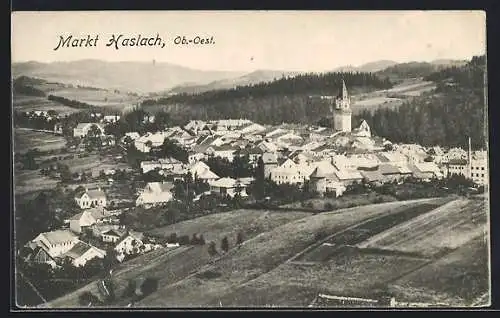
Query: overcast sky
point(247, 41)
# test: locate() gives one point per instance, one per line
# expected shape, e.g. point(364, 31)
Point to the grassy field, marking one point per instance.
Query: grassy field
point(345, 201)
point(26, 139)
point(102, 98)
point(122, 272)
point(412, 88)
point(267, 270)
point(355, 275)
point(30, 180)
point(445, 228)
point(458, 279)
point(25, 103)
point(262, 254)
point(215, 226)
point(172, 266)
point(391, 98)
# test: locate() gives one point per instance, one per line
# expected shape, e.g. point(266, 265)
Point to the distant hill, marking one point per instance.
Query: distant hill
point(407, 70)
point(141, 77)
point(252, 78)
point(368, 67)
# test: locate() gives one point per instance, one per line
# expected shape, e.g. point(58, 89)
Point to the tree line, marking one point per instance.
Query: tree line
point(455, 111)
point(288, 99)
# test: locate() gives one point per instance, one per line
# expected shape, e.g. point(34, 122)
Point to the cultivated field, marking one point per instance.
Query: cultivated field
point(461, 278)
point(215, 226)
point(288, 258)
point(109, 99)
point(391, 98)
point(31, 180)
point(25, 103)
point(412, 88)
point(351, 274)
point(25, 139)
point(173, 265)
point(263, 253)
point(345, 201)
point(446, 228)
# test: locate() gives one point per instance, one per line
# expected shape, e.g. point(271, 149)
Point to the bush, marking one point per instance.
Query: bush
point(328, 206)
point(208, 275)
point(184, 240)
point(149, 286)
point(320, 235)
point(88, 299)
point(239, 238)
point(130, 289)
point(224, 244)
point(212, 249)
point(172, 238)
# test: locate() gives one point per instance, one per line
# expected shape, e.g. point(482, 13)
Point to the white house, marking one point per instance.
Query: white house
point(170, 164)
point(291, 172)
point(199, 170)
point(90, 217)
point(80, 221)
point(324, 180)
point(82, 129)
point(251, 128)
point(111, 118)
point(149, 140)
point(224, 151)
point(57, 242)
point(228, 186)
point(129, 244)
point(82, 252)
point(155, 193)
point(91, 198)
point(112, 235)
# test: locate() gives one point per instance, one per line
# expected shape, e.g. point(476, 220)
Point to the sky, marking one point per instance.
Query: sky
point(251, 40)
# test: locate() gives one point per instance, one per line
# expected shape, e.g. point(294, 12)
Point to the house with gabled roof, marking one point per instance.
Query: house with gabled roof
point(155, 193)
point(81, 253)
point(201, 171)
point(55, 243)
point(228, 186)
point(130, 243)
point(91, 198)
point(324, 180)
point(223, 151)
point(80, 221)
point(112, 235)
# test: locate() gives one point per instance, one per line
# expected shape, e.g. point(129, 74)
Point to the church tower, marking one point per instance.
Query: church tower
point(342, 112)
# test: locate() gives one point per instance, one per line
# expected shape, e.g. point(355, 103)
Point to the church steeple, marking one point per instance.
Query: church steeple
point(344, 90)
point(342, 113)
point(343, 101)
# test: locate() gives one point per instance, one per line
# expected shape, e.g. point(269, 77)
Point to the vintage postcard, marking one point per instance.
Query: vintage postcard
point(205, 159)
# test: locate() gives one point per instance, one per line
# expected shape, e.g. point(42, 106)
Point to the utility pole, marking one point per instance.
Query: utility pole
point(469, 161)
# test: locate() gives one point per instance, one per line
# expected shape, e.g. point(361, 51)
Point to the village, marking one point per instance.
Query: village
point(216, 165)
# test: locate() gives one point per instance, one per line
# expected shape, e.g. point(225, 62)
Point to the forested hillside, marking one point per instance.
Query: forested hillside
point(289, 99)
point(454, 111)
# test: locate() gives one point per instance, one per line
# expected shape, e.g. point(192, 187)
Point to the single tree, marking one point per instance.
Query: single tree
point(212, 249)
point(239, 238)
point(224, 245)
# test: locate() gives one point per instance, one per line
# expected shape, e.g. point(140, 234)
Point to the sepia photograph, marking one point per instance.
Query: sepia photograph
point(250, 159)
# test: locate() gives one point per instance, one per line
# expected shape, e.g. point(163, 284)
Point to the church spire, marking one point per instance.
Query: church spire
point(344, 90)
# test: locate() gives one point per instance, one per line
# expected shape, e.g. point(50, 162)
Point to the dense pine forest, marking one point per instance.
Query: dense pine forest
point(289, 99)
point(454, 111)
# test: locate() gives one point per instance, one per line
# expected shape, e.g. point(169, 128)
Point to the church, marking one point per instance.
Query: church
point(341, 109)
